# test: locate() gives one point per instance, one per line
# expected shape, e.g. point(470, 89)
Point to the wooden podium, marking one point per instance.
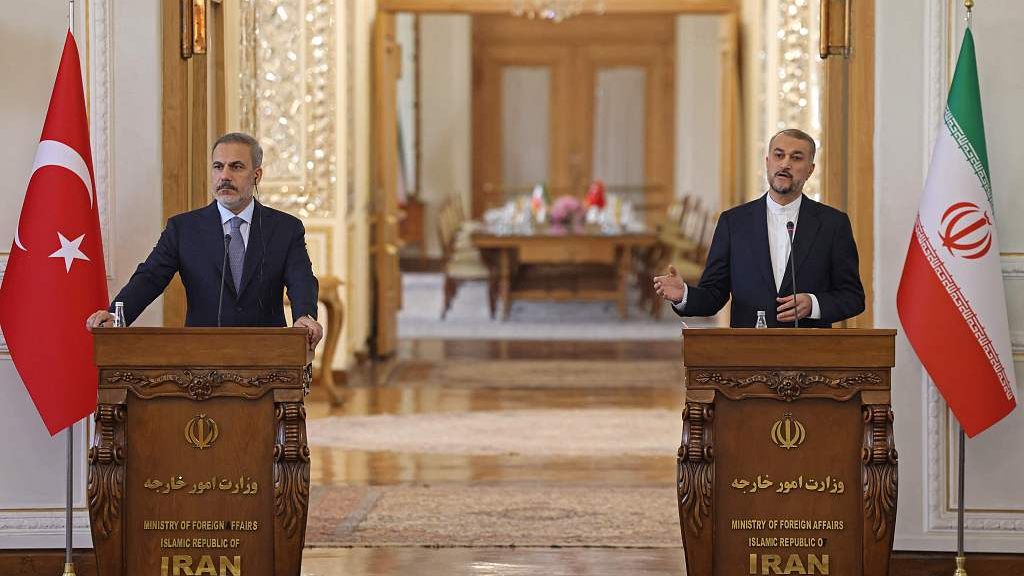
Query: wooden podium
point(199, 464)
point(787, 463)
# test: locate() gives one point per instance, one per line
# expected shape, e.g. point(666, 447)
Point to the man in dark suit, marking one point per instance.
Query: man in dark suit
point(749, 257)
point(264, 251)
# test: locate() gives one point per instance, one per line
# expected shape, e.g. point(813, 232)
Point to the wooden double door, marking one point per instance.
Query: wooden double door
point(589, 98)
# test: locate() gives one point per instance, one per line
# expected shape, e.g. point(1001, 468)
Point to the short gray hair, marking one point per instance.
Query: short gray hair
point(799, 135)
point(255, 150)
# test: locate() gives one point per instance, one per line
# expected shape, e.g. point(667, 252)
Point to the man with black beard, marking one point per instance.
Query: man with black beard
point(749, 257)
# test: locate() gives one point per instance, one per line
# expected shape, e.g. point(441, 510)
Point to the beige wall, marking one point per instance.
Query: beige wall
point(446, 105)
point(446, 114)
point(125, 130)
point(698, 108)
point(914, 52)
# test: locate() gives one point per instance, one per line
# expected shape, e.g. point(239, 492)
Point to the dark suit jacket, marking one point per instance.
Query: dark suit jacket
point(739, 263)
point(192, 245)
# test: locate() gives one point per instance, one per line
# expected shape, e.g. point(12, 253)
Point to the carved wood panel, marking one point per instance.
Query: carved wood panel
point(694, 481)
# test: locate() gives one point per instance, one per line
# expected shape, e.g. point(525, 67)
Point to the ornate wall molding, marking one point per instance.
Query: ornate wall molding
point(1012, 266)
point(3, 269)
point(793, 78)
point(936, 81)
point(350, 105)
point(101, 107)
point(695, 472)
point(288, 67)
point(40, 523)
point(941, 517)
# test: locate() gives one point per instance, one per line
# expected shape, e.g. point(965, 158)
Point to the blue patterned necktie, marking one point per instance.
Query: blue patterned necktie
point(236, 252)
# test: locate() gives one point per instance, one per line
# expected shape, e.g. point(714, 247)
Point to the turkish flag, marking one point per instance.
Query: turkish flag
point(55, 275)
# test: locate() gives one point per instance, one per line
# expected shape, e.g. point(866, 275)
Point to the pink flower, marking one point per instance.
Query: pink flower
point(566, 210)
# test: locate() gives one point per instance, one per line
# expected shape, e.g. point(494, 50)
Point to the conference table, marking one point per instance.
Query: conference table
point(553, 263)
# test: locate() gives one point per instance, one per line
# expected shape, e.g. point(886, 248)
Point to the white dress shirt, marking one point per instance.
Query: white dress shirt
point(246, 216)
point(778, 242)
point(778, 247)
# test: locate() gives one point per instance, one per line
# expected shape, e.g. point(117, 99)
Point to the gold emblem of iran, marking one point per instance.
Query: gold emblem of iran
point(788, 433)
point(201, 431)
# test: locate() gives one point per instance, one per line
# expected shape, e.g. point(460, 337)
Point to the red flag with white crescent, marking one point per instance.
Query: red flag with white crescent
point(55, 275)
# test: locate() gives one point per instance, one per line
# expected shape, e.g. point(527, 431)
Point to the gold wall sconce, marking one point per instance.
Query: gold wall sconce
point(832, 26)
point(193, 27)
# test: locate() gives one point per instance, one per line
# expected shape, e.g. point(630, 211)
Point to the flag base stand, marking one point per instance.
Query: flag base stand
point(961, 563)
point(69, 569)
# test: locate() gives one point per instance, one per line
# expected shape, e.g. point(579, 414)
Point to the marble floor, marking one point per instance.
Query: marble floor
point(394, 393)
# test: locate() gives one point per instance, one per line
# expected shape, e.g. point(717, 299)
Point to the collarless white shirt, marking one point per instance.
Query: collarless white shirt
point(778, 243)
point(778, 237)
point(246, 216)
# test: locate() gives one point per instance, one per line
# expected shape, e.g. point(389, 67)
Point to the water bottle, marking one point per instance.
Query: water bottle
point(760, 320)
point(119, 315)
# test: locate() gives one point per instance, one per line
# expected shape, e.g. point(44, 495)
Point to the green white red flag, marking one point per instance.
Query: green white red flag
point(951, 300)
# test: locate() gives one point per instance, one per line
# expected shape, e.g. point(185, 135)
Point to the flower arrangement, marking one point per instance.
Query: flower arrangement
point(566, 211)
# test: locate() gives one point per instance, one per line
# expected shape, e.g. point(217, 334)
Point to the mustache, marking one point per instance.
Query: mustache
point(226, 186)
point(784, 173)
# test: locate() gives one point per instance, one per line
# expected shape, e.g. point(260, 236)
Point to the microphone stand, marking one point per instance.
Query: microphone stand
point(792, 263)
point(223, 271)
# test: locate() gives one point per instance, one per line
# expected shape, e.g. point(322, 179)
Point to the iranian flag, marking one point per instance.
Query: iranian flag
point(951, 300)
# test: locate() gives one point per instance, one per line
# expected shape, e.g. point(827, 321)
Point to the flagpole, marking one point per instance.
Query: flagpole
point(961, 558)
point(69, 511)
point(69, 566)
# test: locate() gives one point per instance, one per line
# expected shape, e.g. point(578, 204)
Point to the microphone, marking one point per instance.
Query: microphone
point(792, 263)
point(223, 271)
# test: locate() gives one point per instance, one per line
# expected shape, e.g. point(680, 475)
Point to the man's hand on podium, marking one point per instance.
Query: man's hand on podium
point(316, 332)
point(99, 319)
point(670, 286)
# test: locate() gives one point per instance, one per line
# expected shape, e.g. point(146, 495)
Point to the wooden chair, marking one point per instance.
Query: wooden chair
point(689, 255)
point(671, 239)
point(460, 259)
point(328, 296)
point(331, 299)
point(682, 242)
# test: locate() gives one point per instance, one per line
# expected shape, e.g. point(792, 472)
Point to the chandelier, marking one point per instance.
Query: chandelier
point(554, 10)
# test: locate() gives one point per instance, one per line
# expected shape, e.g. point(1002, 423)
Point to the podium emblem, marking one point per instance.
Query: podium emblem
point(201, 431)
point(788, 433)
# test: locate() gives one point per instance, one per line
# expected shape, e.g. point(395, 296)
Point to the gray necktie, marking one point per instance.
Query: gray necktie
point(236, 252)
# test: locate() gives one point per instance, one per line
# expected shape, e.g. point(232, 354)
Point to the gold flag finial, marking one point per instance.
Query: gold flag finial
point(969, 4)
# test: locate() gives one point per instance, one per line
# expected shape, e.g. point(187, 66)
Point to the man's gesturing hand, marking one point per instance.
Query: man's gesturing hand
point(670, 286)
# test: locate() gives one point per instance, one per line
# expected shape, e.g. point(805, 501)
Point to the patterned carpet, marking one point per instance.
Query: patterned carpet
point(594, 432)
point(453, 516)
point(469, 317)
point(531, 374)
